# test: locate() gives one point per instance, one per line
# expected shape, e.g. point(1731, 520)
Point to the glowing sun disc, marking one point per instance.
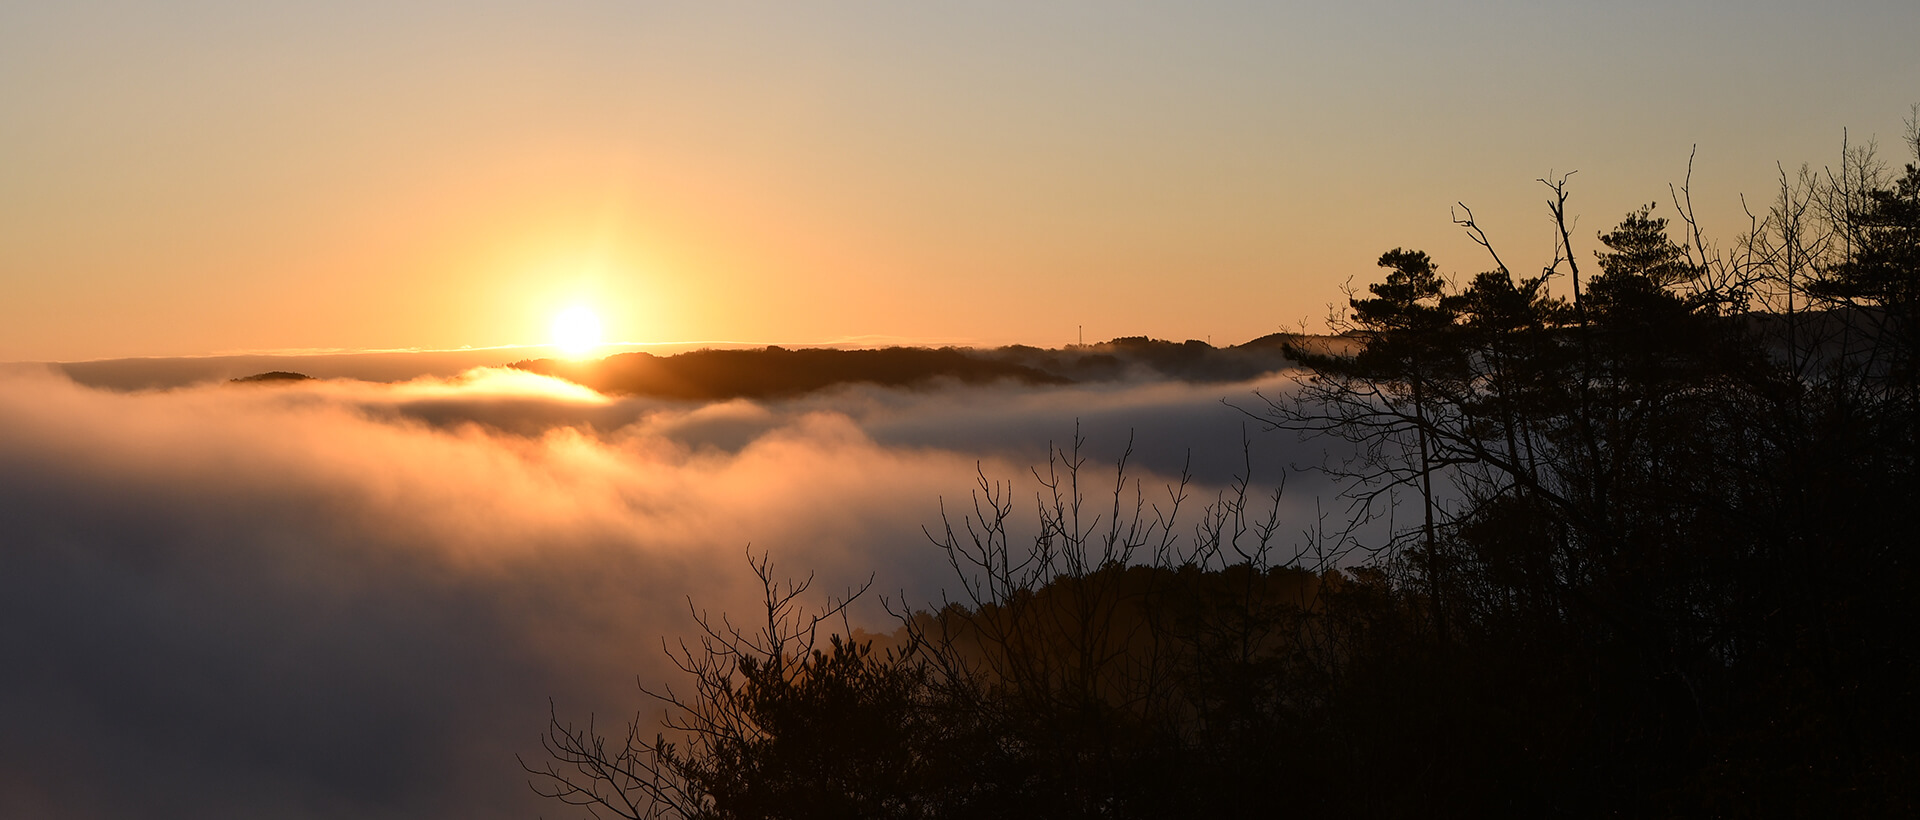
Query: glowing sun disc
point(576, 331)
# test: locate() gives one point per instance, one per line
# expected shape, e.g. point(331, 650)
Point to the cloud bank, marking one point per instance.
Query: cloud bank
point(345, 599)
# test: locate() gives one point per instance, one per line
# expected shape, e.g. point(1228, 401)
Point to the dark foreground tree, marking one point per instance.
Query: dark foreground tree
point(1661, 567)
point(1673, 511)
point(1093, 669)
point(776, 725)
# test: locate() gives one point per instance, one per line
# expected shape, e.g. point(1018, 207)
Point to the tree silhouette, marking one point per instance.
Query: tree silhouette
point(1662, 567)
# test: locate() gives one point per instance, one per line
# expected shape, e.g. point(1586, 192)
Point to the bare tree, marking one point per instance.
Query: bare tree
point(672, 766)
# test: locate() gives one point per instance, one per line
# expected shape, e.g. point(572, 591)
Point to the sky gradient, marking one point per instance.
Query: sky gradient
point(205, 177)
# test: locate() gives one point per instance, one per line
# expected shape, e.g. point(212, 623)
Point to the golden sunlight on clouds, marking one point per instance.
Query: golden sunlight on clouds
point(492, 383)
point(431, 560)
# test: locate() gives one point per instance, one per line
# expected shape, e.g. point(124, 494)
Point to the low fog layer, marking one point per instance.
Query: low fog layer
point(334, 598)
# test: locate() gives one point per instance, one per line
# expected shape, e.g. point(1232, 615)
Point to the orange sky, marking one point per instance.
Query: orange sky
point(183, 179)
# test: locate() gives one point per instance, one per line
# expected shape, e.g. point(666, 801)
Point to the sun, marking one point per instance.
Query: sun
point(576, 331)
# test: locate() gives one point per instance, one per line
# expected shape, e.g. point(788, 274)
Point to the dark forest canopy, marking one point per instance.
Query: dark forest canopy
point(1653, 556)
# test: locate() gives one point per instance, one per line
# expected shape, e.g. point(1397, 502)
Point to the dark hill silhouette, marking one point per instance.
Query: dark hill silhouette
point(272, 377)
point(1344, 344)
point(776, 372)
point(1135, 356)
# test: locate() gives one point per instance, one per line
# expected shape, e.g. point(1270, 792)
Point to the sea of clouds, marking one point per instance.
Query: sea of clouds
point(340, 598)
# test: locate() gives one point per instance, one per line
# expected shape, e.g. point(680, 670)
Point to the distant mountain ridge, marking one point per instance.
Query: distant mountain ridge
point(271, 377)
point(776, 372)
point(734, 372)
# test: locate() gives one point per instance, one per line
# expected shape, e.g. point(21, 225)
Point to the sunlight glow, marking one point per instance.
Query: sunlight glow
point(490, 383)
point(576, 331)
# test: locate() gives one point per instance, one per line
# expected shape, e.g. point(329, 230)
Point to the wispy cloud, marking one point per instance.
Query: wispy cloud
point(344, 599)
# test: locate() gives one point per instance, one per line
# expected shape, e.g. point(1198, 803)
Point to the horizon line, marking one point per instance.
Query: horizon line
point(877, 340)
